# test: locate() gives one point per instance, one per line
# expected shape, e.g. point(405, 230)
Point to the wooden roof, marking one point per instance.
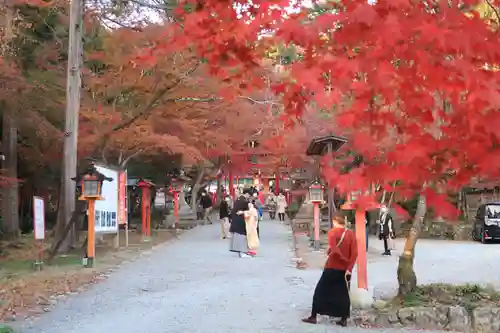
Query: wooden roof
point(319, 146)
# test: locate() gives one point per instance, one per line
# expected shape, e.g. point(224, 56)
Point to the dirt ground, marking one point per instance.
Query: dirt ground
point(26, 292)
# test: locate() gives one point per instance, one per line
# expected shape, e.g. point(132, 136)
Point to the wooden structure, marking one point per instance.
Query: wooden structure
point(146, 186)
point(476, 194)
point(91, 183)
point(326, 145)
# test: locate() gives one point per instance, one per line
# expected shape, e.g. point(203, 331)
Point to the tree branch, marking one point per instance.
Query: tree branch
point(494, 9)
point(125, 161)
point(267, 102)
point(149, 107)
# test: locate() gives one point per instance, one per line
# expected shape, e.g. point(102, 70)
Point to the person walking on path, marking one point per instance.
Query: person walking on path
point(386, 233)
point(271, 205)
point(331, 296)
point(224, 217)
point(206, 204)
point(238, 229)
point(281, 206)
point(252, 224)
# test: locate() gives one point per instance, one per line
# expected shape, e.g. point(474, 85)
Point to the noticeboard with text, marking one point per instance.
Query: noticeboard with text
point(39, 218)
point(106, 210)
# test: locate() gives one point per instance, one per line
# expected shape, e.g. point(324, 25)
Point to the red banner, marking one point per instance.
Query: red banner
point(122, 197)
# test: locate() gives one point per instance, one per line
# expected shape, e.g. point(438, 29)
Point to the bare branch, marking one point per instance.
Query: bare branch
point(260, 102)
point(125, 161)
point(494, 9)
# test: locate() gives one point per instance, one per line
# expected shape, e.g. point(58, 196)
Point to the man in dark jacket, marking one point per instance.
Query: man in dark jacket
point(224, 217)
point(386, 230)
point(206, 204)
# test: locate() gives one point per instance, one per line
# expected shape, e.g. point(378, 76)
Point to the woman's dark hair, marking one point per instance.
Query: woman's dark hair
point(339, 217)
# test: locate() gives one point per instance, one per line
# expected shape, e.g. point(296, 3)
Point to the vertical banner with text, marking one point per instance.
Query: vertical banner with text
point(122, 197)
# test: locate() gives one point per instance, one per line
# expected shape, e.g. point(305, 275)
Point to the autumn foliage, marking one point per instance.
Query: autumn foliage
point(409, 83)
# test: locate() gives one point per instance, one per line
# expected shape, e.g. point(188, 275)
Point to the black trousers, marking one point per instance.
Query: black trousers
point(386, 244)
point(281, 216)
point(331, 296)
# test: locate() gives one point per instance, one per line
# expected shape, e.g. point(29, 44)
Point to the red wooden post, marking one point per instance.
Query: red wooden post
point(277, 182)
point(231, 185)
point(146, 186)
point(361, 242)
point(148, 212)
point(316, 225)
point(176, 207)
point(143, 210)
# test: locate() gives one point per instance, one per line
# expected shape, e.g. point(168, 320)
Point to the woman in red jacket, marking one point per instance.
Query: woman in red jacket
point(331, 296)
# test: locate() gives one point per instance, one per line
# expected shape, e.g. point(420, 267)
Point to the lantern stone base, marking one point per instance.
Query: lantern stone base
point(303, 220)
point(88, 262)
point(38, 265)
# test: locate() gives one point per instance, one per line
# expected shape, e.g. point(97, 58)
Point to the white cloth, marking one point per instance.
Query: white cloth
point(251, 223)
point(281, 204)
point(224, 226)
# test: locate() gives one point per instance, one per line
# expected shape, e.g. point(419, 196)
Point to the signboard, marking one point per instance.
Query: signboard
point(39, 218)
point(106, 210)
point(122, 198)
point(160, 199)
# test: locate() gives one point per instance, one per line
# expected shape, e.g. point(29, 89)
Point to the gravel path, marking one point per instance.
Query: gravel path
point(196, 285)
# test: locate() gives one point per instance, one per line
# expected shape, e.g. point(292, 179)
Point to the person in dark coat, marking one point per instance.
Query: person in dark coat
point(224, 214)
point(206, 204)
point(386, 230)
point(238, 229)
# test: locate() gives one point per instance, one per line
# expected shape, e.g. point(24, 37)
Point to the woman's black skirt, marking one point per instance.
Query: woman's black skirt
point(331, 296)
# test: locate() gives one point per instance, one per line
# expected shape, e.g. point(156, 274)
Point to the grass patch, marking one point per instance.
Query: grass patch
point(469, 296)
point(6, 329)
point(20, 265)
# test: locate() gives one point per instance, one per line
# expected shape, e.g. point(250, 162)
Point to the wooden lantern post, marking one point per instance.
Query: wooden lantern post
point(316, 197)
point(145, 186)
point(91, 184)
point(319, 147)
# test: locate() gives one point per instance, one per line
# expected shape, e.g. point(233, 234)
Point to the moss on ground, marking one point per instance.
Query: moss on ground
point(469, 296)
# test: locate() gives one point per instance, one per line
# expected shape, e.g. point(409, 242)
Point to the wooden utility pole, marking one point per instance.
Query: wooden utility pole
point(10, 193)
point(73, 89)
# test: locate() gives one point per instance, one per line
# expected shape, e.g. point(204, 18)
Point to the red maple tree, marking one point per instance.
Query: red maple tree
point(410, 82)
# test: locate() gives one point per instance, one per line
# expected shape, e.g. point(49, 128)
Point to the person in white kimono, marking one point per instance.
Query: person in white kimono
point(251, 223)
point(281, 206)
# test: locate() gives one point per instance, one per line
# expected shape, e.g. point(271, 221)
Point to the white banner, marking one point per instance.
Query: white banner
point(106, 210)
point(39, 218)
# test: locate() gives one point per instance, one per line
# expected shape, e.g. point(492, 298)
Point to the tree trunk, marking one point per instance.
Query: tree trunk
point(196, 188)
point(382, 200)
point(70, 158)
point(407, 279)
point(10, 193)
